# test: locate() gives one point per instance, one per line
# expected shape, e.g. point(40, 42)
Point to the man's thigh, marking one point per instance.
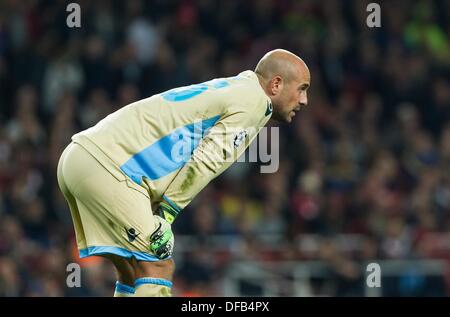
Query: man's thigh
point(116, 218)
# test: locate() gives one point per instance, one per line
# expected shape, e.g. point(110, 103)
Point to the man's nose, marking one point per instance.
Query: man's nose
point(303, 100)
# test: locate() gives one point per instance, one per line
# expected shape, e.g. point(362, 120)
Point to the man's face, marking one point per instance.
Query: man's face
point(292, 95)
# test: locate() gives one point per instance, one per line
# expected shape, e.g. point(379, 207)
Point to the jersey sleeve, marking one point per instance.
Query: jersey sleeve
point(221, 146)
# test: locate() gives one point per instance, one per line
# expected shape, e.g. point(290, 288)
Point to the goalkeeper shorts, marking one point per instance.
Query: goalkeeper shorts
point(109, 216)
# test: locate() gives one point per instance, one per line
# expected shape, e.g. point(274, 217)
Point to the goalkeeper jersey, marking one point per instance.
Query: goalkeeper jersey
point(171, 145)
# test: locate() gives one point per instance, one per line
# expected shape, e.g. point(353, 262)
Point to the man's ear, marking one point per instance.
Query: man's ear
point(276, 84)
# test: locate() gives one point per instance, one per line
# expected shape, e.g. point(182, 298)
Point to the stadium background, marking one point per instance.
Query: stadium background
point(364, 170)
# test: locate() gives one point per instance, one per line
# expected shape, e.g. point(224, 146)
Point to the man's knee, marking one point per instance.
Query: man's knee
point(124, 268)
point(158, 269)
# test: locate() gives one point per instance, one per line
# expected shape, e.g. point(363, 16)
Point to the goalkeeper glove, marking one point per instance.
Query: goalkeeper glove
point(162, 239)
point(167, 212)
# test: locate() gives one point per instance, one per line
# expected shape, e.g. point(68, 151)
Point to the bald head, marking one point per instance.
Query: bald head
point(281, 62)
point(285, 79)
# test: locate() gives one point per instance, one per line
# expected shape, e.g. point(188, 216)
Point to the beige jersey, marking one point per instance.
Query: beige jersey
point(171, 145)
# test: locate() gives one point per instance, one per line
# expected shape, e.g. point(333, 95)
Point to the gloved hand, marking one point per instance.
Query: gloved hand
point(162, 239)
point(167, 212)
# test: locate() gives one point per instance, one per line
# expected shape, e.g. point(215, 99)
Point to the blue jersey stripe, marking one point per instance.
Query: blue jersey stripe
point(99, 250)
point(122, 288)
point(169, 153)
point(151, 280)
point(188, 92)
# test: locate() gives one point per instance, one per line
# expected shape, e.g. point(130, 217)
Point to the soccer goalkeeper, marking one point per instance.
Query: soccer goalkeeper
point(130, 176)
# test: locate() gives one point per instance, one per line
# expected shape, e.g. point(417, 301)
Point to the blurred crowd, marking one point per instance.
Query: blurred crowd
point(369, 155)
